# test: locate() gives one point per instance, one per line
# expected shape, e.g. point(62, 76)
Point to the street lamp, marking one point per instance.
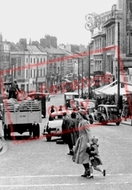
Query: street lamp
point(118, 56)
point(82, 77)
point(79, 54)
point(89, 71)
point(37, 76)
point(78, 76)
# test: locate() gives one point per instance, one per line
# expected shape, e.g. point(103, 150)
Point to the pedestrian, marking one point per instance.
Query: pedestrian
point(13, 91)
point(52, 110)
point(93, 152)
point(61, 114)
point(60, 108)
point(65, 124)
point(80, 156)
point(73, 132)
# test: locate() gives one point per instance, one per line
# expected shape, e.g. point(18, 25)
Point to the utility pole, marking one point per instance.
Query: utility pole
point(82, 77)
point(78, 76)
point(118, 52)
point(37, 77)
point(89, 71)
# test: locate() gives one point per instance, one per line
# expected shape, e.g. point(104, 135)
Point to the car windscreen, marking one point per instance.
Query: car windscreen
point(113, 109)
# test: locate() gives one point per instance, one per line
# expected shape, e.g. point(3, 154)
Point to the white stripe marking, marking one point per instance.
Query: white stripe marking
point(66, 184)
point(46, 176)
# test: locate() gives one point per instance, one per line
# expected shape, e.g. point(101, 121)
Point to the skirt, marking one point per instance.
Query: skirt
point(95, 161)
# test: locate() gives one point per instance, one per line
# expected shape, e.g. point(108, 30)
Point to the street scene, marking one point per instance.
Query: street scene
point(39, 164)
point(66, 95)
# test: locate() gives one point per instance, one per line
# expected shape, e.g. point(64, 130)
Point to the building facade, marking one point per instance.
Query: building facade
point(108, 30)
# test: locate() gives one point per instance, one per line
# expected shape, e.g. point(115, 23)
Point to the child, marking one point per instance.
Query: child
point(92, 150)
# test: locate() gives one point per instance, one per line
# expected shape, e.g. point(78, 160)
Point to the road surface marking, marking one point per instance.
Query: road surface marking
point(65, 184)
point(59, 175)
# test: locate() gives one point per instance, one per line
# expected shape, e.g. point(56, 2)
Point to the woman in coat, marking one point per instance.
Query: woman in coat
point(80, 156)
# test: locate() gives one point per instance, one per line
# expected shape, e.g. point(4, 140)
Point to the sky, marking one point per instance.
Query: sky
point(64, 19)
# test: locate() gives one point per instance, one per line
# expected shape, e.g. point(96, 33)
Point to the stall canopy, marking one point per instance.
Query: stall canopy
point(114, 90)
point(99, 90)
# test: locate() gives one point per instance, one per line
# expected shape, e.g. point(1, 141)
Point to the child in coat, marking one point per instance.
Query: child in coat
point(92, 150)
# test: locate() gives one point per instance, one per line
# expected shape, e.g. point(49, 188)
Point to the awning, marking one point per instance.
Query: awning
point(66, 80)
point(114, 90)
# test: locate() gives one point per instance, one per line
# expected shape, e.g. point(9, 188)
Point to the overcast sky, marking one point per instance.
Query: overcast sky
point(64, 19)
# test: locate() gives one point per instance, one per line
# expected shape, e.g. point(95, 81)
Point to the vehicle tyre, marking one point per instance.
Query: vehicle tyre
point(117, 123)
point(48, 137)
point(37, 131)
point(90, 119)
point(34, 130)
point(103, 121)
point(5, 132)
point(9, 131)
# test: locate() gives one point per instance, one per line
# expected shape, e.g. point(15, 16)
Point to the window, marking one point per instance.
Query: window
point(31, 60)
point(113, 35)
point(44, 72)
point(19, 66)
point(31, 73)
point(26, 60)
point(34, 60)
point(26, 73)
point(34, 73)
point(41, 72)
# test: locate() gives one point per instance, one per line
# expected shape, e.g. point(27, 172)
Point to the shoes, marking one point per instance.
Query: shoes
point(90, 177)
point(104, 173)
point(84, 175)
point(70, 153)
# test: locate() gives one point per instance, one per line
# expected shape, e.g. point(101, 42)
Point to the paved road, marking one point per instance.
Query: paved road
point(39, 164)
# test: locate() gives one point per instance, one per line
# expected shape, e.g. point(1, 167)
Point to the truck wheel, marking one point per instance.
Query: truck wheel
point(9, 131)
point(90, 119)
point(5, 132)
point(34, 130)
point(37, 130)
point(48, 136)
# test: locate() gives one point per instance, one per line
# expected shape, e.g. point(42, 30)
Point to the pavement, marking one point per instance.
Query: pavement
point(3, 146)
point(127, 122)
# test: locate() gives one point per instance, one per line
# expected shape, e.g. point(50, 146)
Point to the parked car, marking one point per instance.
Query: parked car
point(106, 114)
point(53, 128)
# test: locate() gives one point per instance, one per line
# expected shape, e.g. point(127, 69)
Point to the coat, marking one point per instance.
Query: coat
point(80, 156)
point(73, 126)
point(65, 129)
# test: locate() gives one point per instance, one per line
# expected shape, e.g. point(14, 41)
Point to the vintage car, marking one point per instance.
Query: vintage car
point(87, 104)
point(69, 99)
point(53, 128)
point(106, 114)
